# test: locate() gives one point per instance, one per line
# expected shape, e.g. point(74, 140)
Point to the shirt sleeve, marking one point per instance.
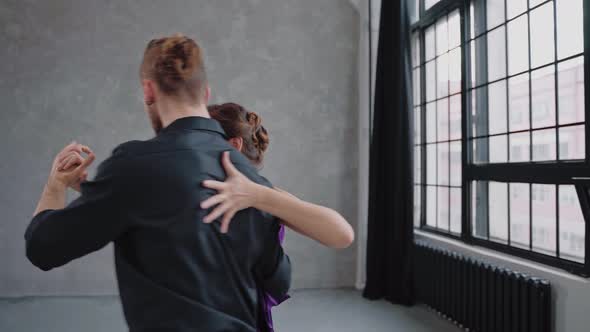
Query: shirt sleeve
point(274, 268)
point(55, 237)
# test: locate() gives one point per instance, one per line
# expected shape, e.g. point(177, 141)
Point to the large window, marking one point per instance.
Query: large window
point(500, 153)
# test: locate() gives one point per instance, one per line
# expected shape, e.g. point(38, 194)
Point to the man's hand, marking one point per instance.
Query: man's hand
point(69, 167)
point(236, 193)
point(54, 193)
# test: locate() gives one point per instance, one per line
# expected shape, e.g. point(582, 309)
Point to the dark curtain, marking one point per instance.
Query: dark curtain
point(390, 226)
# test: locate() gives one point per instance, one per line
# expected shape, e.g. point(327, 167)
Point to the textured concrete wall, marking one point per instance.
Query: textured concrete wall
point(69, 71)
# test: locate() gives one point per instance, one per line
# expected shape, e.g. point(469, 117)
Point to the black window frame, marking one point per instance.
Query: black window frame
point(555, 172)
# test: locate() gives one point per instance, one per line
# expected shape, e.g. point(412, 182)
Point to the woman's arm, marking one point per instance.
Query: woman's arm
point(238, 192)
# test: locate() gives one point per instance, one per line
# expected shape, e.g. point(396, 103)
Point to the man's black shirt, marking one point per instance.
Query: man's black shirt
point(175, 273)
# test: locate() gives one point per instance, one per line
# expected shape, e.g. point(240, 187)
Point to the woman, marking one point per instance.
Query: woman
point(237, 192)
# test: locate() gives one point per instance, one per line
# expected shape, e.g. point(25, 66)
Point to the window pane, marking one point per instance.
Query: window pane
point(543, 97)
point(416, 50)
point(496, 54)
point(455, 117)
point(442, 119)
point(430, 81)
point(544, 145)
point(442, 36)
point(414, 10)
point(417, 205)
point(518, 45)
point(533, 3)
point(498, 196)
point(478, 11)
point(443, 164)
point(431, 164)
point(498, 147)
point(442, 76)
point(478, 68)
point(572, 143)
point(417, 127)
point(571, 90)
point(520, 215)
point(518, 102)
point(431, 206)
point(497, 107)
point(480, 209)
point(480, 115)
point(455, 71)
point(480, 150)
point(515, 7)
point(456, 210)
point(570, 27)
point(544, 218)
point(572, 230)
point(455, 157)
point(431, 122)
point(474, 72)
point(429, 43)
point(429, 3)
point(417, 165)
point(542, 41)
point(416, 81)
point(520, 144)
point(495, 13)
point(454, 29)
point(443, 208)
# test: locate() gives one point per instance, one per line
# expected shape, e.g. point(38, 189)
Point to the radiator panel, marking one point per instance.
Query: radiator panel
point(479, 296)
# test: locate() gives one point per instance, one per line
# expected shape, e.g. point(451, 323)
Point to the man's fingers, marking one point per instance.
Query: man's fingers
point(73, 147)
point(63, 163)
point(227, 217)
point(89, 159)
point(72, 160)
point(212, 184)
point(213, 200)
point(217, 212)
point(86, 150)
point(227, 164)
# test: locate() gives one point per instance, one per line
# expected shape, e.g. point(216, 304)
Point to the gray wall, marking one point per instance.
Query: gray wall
point(69, 71)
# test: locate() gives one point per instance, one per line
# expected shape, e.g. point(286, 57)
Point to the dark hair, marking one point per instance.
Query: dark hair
point(238, 122)
point(176, 64)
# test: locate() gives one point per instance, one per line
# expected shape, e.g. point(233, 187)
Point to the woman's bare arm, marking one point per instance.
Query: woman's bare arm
point(238, 192)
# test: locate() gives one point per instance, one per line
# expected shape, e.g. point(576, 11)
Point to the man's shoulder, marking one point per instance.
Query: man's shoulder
point(134, 148)
point(122, 154)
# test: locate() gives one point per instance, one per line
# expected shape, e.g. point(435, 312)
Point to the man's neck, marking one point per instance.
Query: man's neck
point(174, 112)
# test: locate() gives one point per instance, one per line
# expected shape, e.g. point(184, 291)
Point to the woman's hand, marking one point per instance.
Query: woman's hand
point(69, 166)
point(236, 193)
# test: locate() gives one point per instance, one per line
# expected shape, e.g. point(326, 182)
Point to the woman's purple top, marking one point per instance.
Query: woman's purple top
point(267, 300)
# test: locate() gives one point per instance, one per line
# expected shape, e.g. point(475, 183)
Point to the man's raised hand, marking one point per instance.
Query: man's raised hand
point(69, 167)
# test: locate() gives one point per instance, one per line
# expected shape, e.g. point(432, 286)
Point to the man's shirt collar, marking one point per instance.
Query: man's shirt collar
point(195, 123)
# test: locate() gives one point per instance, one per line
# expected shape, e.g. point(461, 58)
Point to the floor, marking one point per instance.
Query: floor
point(307, 310)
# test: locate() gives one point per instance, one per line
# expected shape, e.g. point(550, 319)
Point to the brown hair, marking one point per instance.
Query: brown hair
point(176, 64)
point(238, 122)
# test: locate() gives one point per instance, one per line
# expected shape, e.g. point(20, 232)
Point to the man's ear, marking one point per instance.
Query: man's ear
point(237, 142)
point(149, 93)
point(207, 95)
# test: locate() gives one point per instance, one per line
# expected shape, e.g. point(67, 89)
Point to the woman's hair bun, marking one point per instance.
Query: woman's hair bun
point(259, 134)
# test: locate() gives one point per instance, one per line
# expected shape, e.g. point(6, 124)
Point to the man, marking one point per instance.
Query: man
point(175, 273)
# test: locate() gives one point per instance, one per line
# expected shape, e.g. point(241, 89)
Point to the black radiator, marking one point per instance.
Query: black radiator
point(479, 296)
